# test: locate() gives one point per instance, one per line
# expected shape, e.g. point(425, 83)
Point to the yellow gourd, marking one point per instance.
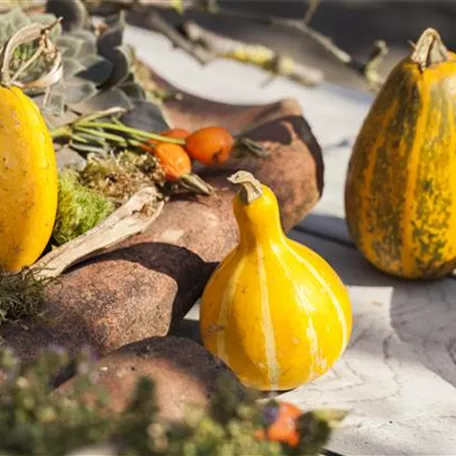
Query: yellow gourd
point(28, 173)
point(400, 190)
point(274, 311)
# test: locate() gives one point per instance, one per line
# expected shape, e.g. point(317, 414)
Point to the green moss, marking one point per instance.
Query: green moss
point(119, 176)
point(34, 421)
point(79, 209)
point(21, 294)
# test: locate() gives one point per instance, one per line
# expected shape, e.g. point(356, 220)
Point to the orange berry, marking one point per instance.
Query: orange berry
point(173, 159)
point(210, 145)
point(281, 424)
point(177, 133)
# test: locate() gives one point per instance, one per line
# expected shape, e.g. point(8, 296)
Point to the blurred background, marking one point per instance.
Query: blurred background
point(352, 24)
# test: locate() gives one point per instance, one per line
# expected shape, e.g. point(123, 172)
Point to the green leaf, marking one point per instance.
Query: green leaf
point(133, 90)
point(96, 69)
point(110, 40)
point(145, 115)
point(72, 67)
point(79, 91)
point(74, 13)
point(103, 100)
point(70, 46)
point(55, 103)
point(121, 60)
point(17, 18)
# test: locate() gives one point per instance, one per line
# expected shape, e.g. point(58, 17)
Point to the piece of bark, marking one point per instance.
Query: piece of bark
point(138, 289)
point(184, 374)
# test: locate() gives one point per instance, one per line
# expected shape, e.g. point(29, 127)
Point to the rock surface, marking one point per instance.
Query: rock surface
point(184, 373)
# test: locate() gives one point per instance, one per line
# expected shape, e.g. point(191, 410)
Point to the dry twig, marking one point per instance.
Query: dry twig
point(132, 218)
point(252, 54)
point(365, 69)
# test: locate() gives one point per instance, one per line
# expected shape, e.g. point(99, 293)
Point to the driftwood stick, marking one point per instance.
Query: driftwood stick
point(253, 54)
point(364, 69)
point(157, 23)
point(130, 219)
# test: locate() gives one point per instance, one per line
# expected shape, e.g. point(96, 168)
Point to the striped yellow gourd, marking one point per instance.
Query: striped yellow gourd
point(274, 311)
point(400, 193)
point(28, 168)
point(28, 181)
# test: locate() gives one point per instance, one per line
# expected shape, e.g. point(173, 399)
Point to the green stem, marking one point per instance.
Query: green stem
point(134, 132)
point(61, 132)
point(100, 114)
point(102, 134)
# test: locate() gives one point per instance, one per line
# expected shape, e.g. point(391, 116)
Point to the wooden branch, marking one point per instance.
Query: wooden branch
point(132, 218)
point(252, 54)
point(311, 10)
point(157, 23)
point(362, 68)
point(365, 69)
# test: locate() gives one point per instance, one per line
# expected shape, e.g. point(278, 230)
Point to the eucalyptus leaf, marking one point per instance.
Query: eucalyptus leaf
point(85, 35)
point(70, 46)
point(57, 121)
point(96, 69)
point(17, 18)
point(72, 67)
point(79, 91)
point(102, 101)
point(55, 103)
point(109, 41)
point(67, 157)
point(145, 115)
point(116, 20)
point(74, 13)
point(121, 60)
point(133, 90)
point(88, 48)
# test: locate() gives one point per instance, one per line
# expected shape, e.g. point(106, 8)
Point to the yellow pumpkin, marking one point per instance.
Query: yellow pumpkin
point(400, 192)
point(28, 170)
point(274, 311)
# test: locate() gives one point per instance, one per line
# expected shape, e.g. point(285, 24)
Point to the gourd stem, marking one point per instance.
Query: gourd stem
point(429, 50)
point(251, 188)
point(29, 33)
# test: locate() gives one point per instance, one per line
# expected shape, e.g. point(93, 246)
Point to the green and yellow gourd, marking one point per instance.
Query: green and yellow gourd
point(400, 193)
point(28, 173)
point(273, 310)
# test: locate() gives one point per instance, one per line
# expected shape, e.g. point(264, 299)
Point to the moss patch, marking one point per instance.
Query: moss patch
point(21, 294)
point(80, 208)
point(119, 177)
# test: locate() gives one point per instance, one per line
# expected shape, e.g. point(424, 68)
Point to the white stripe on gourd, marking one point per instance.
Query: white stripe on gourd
point(268, 328)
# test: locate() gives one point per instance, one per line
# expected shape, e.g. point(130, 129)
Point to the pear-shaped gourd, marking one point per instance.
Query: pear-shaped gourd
point(28, 171)
point(400, 191)
point(274, 311)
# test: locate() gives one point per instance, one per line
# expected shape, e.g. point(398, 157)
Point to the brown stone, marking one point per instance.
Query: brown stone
point(184, 374)
point(140, 288)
